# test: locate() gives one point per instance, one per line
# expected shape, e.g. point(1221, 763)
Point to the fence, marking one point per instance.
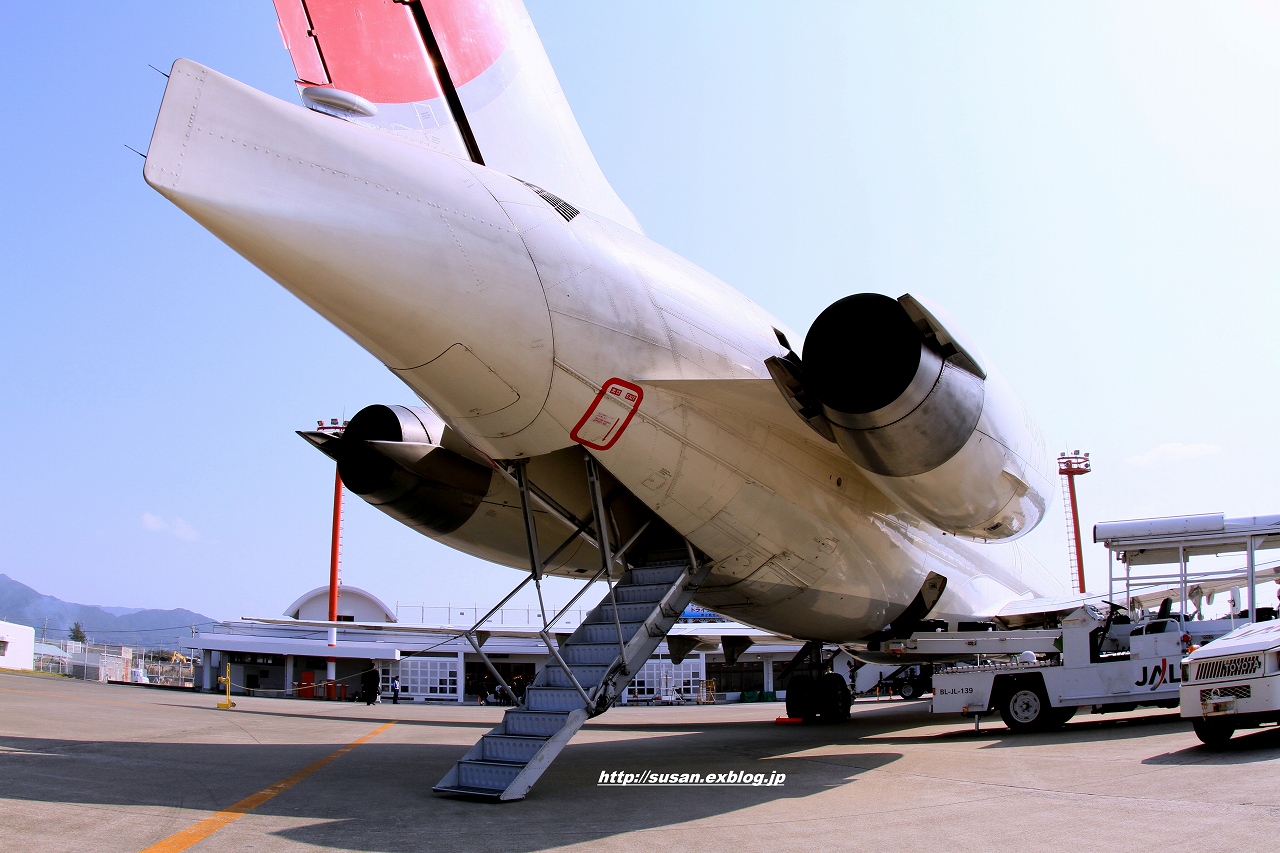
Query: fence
point(464, 616)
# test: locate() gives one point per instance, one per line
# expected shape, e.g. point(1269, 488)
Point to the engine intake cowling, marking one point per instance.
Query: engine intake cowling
point(387, 456)
point(912, 406)
point(897, 406)
point(406, 462)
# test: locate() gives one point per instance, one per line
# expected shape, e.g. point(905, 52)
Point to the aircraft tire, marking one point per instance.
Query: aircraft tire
point(834, 698)
point(802, 697)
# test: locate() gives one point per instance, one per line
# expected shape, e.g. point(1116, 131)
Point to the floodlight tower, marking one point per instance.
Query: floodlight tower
point(1070, 466)
point(335, 546)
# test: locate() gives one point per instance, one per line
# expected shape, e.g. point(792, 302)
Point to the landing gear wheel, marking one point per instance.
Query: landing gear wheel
point(802, 699)
point(1025, 708)
point(834, 698)
point(1213, 733)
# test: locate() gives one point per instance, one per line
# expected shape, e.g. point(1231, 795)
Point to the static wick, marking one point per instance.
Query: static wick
point(157, 70)
point(135, 151)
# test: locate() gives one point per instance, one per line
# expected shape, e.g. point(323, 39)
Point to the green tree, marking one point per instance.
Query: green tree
point(77, 633)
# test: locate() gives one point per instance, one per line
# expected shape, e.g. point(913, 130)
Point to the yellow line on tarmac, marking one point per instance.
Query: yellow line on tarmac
point(180, 841)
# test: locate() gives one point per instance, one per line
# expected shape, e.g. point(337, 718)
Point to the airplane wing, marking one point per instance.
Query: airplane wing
point(704, 633)
point(468, 77)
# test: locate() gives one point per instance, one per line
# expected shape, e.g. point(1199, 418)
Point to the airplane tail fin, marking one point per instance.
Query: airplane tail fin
point(469, 77)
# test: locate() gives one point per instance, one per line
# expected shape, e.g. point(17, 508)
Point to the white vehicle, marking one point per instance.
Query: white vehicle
point(1038, 679)
point(1233, 682)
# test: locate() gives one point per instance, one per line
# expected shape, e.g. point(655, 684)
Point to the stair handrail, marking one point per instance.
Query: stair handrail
point(694, 572)
point(602, 542)
point(574, 600)
point(493, 670)
point(564, 516)
point(498, 606)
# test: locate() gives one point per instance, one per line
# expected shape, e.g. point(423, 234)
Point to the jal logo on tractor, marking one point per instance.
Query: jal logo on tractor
point(1158, 675)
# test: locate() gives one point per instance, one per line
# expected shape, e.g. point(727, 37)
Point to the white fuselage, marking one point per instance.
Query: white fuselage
point(509, 320)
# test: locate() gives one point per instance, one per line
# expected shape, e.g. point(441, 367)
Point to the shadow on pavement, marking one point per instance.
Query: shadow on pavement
point(378, 797)
point(1248, 746)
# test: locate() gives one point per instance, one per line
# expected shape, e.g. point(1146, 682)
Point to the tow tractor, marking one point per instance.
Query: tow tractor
point(1037, 679)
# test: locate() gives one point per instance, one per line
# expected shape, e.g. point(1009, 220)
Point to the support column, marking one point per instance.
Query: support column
point(1251, 579)
point(331, 677)
point(1111, 576)
point(1182, 584)
point(462, 675)
point(288, 676)
point(767, 660)
point(206, 677)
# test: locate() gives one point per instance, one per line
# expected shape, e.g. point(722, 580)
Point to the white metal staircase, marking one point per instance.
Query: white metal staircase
point(581, 679)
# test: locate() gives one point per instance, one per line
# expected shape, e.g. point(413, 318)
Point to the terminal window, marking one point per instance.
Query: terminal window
point(660, 677)
point(4, 648)
point(428, 677)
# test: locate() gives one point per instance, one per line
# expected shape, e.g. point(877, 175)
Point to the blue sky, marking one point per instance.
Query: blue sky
point(1092, 190)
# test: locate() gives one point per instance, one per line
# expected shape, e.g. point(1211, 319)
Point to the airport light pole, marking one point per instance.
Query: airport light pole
point(1070, 466)
point(335, 548)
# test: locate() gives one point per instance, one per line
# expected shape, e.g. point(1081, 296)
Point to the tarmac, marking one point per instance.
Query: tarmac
point(90, 767)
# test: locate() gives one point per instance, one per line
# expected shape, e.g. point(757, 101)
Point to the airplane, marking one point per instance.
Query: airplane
point(434, 198)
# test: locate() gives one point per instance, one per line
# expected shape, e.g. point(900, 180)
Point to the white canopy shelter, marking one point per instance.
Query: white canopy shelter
point(1174, 540)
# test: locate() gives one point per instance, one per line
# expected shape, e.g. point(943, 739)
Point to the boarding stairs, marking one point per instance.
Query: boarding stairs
point(581, 679)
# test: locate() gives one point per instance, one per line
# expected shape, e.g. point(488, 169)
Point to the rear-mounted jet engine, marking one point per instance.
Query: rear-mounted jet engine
point(915, 408)
point(406, 462)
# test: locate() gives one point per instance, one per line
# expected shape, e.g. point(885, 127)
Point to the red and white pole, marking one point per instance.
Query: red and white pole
point(335, 547)
point(1071, 466)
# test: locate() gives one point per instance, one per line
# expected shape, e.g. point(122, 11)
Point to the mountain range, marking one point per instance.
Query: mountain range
point(124, 626)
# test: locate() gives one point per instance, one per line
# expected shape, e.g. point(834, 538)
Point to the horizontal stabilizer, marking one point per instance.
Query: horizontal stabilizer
point(326, 443)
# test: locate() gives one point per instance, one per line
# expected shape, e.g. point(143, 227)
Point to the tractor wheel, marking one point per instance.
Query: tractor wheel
point(1025, 708)
point(1213, 733)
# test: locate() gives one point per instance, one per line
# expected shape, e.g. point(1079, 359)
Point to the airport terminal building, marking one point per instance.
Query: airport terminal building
point(289, 656)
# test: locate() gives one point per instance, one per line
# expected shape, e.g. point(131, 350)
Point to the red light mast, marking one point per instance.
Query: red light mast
point(1070, 466)
point(335, 547)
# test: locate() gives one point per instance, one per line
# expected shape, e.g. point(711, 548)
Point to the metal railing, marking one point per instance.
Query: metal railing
point(600, 519)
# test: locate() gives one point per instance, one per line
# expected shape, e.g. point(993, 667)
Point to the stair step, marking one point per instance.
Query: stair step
point(490, 793)
point(600, 654)
point(626, 613)
point(521, 748)
point(588, 675)
point(641, 592)
point(541, 724)
point(493, 775)
point(532, 735)
point(657, 574)
point(671, 558)
point(593, 633)
point(552, 699)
